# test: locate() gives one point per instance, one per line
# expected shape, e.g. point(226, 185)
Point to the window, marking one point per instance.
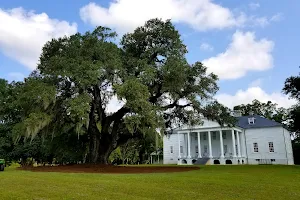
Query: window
point(205, 148)
point(271, 147)
point(204, 136)
point(214, 136)
point(257, 160)
point(225, 148)
point(236, 149)
point(273, 160)
point(251, 120)
point(224, 135)
point(255, 146)
point(196, 137)
point(171, 149)
point(181, 149)
point(196, 148)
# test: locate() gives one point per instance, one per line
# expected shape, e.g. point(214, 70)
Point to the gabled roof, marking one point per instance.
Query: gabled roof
point(242, 122)
point(260, 122)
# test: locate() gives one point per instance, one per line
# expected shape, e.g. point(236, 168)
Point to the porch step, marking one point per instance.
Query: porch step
point(201, 161)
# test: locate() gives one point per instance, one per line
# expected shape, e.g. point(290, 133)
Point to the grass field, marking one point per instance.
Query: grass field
point(209, 182)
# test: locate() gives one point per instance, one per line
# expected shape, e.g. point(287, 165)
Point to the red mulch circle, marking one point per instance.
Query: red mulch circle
point(90, 168)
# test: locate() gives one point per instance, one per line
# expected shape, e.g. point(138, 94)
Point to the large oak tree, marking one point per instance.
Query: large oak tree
point(78, 76)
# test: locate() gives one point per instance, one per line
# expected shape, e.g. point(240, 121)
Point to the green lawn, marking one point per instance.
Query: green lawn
point(209, 182)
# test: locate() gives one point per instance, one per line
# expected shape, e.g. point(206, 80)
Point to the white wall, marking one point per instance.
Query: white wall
point(289, 148)
point(262, 136)
point(171, 140)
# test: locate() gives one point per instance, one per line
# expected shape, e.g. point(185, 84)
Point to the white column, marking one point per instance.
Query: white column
point(233, 144)
point(243, 145)
point(199, 146)
point(221, 144)
point(209, 145)
point(238, 143)
point(189, 146)
point(179, 153)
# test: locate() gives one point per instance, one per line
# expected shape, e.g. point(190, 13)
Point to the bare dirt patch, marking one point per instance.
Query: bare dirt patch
point(88, 168)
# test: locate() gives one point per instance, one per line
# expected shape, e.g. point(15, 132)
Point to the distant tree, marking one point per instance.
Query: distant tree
point(63, 148)
point(26, 153)
point(79, 75)
point(268, 110)
point(9, 116)
point(139, 150)
point(292, 88)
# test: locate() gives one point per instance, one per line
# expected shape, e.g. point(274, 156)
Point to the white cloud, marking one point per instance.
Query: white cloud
point(245, 53)
point(256, 83)
point(264, 21)
point(206, 47)
point(16, 76)
point(126, 15)
point(277, 17)
point(23, 34)
point(254, 6)
point(260, 21)
point(247, 96)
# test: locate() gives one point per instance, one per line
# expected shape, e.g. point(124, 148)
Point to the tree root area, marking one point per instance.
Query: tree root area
point(94, 168)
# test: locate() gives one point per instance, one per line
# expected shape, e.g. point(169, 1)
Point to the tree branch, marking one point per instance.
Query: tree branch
point(158, 94)
point(98, 103)
point(174, 104)
point(114, 117)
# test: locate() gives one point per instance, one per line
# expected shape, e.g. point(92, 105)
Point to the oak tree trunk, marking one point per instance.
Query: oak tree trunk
point(100, 147)
point(103, 142)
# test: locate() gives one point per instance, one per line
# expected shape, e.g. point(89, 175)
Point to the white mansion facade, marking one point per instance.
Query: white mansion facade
point(254, 140)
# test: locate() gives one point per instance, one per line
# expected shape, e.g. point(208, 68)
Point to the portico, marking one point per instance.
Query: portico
point(214, 145)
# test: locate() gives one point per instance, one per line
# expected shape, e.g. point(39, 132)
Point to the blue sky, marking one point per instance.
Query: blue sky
point(251, 45)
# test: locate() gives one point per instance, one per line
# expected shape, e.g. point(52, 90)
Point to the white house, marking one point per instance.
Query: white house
point(254, 140)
